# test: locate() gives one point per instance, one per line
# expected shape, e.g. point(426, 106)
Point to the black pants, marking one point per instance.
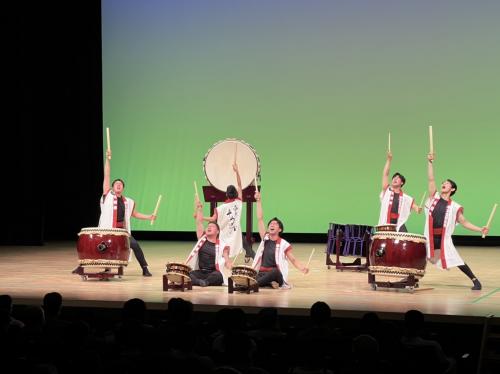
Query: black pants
point(249, 252)
point(138, 253)
point(464, 268)
point(264, 278)
point(213, 278)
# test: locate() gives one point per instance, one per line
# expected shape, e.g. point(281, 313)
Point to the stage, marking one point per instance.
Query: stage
point(27, 273)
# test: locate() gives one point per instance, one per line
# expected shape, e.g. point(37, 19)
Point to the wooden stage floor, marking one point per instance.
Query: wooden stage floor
point(27, 273)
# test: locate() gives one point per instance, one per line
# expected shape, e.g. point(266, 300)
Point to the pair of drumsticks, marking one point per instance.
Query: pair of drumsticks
point(431, 151)
point(308, 261)
point(155, 212)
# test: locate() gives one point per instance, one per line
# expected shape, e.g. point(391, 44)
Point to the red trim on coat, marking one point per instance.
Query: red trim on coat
point(115, 210)
point(231, 200)
point(389, 209)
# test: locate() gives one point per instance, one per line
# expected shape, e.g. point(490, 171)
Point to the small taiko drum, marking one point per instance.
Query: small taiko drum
point(244, 276)
point(397, 254)
point(108, 248)
point(386, 227)
point(178, 273)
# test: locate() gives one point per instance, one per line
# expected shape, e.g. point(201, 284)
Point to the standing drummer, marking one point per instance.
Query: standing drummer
point(271, 258)
point(210, 256)
point(396, 206)
point(228, 217)
point(442, 215)
point(116, 210)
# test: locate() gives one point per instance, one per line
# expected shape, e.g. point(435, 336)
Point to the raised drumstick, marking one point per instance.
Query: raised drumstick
point(196, 191)
point(156, 209)
point(491, 217)
point(235, 152)
point(108, 139)
point(431, 141)
point(423, 198)
point(389, 143)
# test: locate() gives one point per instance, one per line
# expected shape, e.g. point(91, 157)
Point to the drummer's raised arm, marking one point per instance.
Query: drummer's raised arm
point(238, 180)
point(385, 172)
point(212, 218)
point(106, 184)
point(199, 220)
point(260, 216)
point(430, 174)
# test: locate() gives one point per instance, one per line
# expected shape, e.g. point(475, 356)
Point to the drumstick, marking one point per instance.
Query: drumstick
point(235, 257)
point(256, 186)
point(235, 151)
point(389, 144)
point(310, 256)
point(196, 191)
point(423, 198)
point(156, 209)
point(431, 141)
point(491, 218)
point(108, 139)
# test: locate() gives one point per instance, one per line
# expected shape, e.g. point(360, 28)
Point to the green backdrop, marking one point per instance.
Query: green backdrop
point(315, 87)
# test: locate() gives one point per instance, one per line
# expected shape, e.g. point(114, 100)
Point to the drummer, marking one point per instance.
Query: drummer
point(228, 217)
point(210, 256)
point(271, 258)
point(116, 210)
point(442, 215)
point(396, 206)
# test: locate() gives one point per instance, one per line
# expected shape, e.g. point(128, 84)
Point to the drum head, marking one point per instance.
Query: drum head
point(243, 280)
point(386, 227)
point(102, 231)
point(218, 164)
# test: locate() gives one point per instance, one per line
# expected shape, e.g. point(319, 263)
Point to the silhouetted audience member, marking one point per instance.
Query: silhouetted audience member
point(54, 329)
point(385, 333)
point(424, 355)
point(6, 304)
point(233, 327)
point(267, 326)
point(271, 341)
point(366, 357)
point(320, 346)
point(133, 334)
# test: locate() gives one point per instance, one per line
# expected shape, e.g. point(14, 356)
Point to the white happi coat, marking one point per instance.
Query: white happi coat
point(404, 208)
point(282, 247)
point(220, 261)
point(109, 209)
point(229, 221)
point(449, 254)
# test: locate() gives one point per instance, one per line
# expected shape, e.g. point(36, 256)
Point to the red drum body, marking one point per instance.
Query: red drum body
point(397, 253)
point(98, 247)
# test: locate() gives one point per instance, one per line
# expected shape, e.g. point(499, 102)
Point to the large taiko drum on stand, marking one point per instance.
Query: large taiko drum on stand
point(102, 249)
point(243, 278)
point(218, 163)
point(397, 254)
